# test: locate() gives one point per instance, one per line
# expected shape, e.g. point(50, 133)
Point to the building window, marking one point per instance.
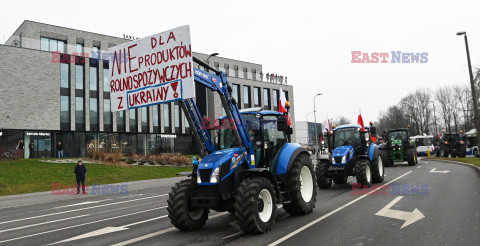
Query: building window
point(133, 120)
point(227, 69)
point(155, 115)
point(266, 98)
point(93, 78)
point(144, 122)
point(106, 79)
point(64, 109)
point(254, 74)
point(246, 96)
point(216, 65)
point(235, 68)
point(107, 115)
point(121, 121)
point(178, 114)
point(166, 115)
point(64, 75)
point(236, 93)
point(79, 48)
point(79, 111)
point(48, 44)
point(286, 95)
point(79, 77)
point(256, 97)
point(275, 99)
point(245, 73)
point(96, 52)
point(93, 111)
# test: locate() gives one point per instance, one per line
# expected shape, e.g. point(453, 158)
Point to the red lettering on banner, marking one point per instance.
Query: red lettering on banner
point(131, 58)
point(120, 103)
point(170, 37)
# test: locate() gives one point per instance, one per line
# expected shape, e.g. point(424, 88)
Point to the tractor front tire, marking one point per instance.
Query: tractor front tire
point(180, 213)
point(301, 186)
point(363, 172)
point(255, 205)
point(412, 156)
point(321, 173)
point(340, 179)
point(378, 172)
point(386, 158)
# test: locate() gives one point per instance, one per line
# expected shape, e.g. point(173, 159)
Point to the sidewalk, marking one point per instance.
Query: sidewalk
point(46, 196)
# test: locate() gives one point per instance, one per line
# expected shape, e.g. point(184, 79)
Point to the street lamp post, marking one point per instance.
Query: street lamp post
point(315, 118)
point(472, 85)
point(214, 54)
point(435, 119)
point(308, 131)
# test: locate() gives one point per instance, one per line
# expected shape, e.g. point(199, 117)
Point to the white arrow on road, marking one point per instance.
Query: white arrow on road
point(106, 230)
point(409, 217)
point(435, 171)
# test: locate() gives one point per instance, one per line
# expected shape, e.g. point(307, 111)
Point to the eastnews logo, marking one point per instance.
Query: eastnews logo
point(397, 189)
point(94, 189)
point(392, 57)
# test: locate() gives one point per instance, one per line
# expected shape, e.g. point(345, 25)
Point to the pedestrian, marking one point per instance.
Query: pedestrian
point(60, 150)
point(20, 147)
point(80, 171)
point(31, 148)
point(195, 161)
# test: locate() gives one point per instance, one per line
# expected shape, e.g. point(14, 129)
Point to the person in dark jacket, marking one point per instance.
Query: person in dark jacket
point(31, 148)
point(80, 171)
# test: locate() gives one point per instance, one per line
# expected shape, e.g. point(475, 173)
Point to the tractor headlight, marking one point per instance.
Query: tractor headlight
point(215, 175)
point(199, 180)
point(344, 159)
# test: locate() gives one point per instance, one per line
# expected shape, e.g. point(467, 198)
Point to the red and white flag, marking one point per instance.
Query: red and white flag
point(360, 121)
point(281, 105)
point(327, 127)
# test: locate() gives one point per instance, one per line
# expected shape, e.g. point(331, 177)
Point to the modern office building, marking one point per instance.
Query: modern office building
point(54, 86)
point(305, 132)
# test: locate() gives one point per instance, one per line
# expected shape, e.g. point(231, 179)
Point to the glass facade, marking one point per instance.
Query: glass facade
point(144, 122)
point(132, 120)
point(79, 48)
point(275, 99)
point(106, 82)
point(166, 114)
point(93, 111)
point(79, 111)
point(93, 78)
point(121, 121)
point(48, 44)
point(64, 75)
point(266, 98)
point(155, 115)
point(256, 97)
point(79, 81)
point(246, 96)
point(107, 115)
point(236, 93)
point(64, 109)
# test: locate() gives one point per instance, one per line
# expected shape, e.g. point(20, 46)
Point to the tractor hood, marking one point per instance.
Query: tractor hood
point(342, 151)
point(216, 159)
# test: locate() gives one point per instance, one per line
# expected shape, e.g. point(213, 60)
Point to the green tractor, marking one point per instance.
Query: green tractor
point(398, 147)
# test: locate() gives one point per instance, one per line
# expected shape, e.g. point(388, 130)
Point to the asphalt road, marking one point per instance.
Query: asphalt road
point(442, 208)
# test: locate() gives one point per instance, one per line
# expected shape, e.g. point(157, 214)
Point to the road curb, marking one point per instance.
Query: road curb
point(457, 162)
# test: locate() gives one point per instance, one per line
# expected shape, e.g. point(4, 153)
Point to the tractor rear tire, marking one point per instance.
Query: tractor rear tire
point(386, 158)
point(340, 179)
point(412, 156)
point(463, 152)
point(301, 186)
point(378, 171)
point(179, 211)
point(321, 173)
point(363, 172)
point(255, 205)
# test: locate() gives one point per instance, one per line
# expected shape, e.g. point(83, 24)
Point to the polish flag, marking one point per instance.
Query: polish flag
point(360, 121)
point(281, 105)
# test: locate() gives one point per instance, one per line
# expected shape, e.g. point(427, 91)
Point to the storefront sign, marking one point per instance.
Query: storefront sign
point(168, 136)
point(38, 134)
point(152, 70)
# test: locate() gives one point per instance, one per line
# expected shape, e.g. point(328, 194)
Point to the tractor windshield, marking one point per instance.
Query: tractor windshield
point(346, 136)
point(423, 141)
point(226, 137)
point(451, 137)
point(397, 135)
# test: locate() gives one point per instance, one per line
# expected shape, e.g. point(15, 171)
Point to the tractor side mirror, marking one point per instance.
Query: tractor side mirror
point(282, 124)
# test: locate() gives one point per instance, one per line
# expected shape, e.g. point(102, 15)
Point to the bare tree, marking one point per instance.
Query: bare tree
point(341, 120)
point(443, 95)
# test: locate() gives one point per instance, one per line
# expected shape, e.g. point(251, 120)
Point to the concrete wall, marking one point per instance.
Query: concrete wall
point(29, 89)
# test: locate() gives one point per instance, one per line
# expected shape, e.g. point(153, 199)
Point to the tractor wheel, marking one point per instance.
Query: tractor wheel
point(255, 205)
point(301, 186)
point(462, 153)
point(321, 173)
point(181, 215)
point(437, 153)
point(340, 179)
point(412, 156)
point(378, 172)
point(363, 172)
point(386, 158)
point(444, 152)
point(475, 152)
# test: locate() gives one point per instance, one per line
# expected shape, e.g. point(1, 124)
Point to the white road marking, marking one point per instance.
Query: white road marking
point(88, 223)
point(81, 209)
point(153, 234)
point(333, 212)
point(409, 217)
point(43, 223)
point(82, 203)
point(107, 230)
point(435, 171)
point(426, 162)
point(233, 235)
point(419, 166)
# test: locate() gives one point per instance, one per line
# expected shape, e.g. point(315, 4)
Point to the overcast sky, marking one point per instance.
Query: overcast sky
point(308, 41)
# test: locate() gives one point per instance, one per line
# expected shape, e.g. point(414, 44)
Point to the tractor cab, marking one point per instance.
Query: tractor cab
point(347, 141)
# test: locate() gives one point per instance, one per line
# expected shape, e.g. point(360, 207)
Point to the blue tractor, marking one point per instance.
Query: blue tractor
point(352, 153)
point(248, 169)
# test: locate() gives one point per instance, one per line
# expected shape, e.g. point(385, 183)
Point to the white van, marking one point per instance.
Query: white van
point(423, 143)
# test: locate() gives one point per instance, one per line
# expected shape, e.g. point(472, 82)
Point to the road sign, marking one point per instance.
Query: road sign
point(152, 70)
point(409, 217)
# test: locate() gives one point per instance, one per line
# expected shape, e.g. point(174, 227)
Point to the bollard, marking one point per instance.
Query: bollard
point(428, 152)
